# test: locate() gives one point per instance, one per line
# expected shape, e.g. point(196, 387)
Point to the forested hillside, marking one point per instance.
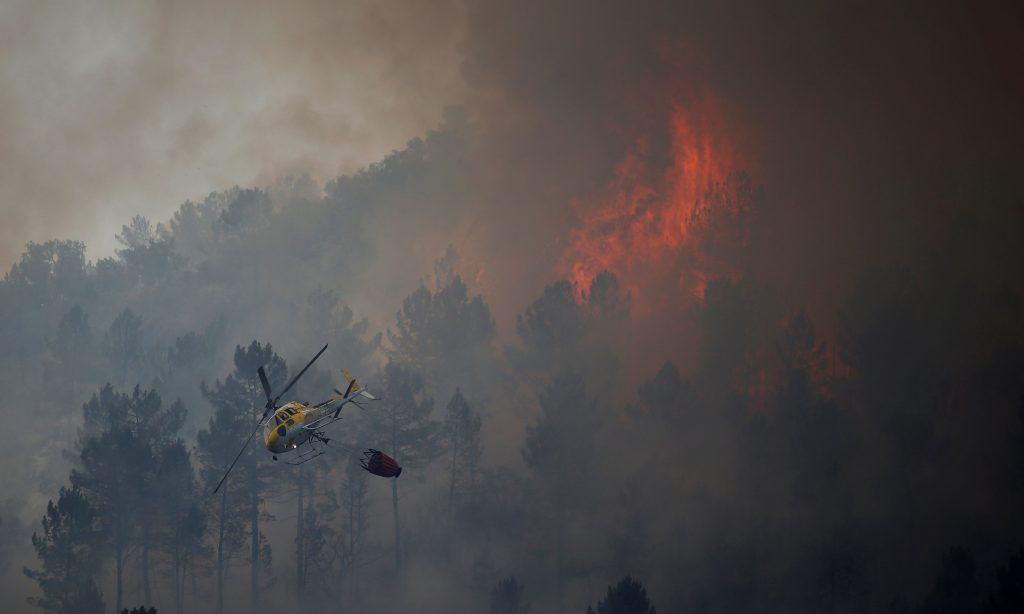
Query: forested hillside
point(764, 464)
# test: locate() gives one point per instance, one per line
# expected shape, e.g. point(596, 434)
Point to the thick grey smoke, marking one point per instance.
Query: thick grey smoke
point(113, 109)
point(110, 109)
point(732, 452)
point(839, 112)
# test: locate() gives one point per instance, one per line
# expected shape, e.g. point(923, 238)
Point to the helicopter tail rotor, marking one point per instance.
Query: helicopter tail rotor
point(351, 391)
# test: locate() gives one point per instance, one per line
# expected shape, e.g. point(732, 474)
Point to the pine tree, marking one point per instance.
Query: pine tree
point(121, 441)
point(190, 360)
point(461, 432)
point(216, 447)
point(627, 597)
point(404, 428)
point(507, 597)
point(181, 522)
point(239, 403)
point(355, 510)
point(70, 553)
point(558, 450)
point(559, 333)
point(444, 332)
point(123, 344)
point(330, 321)
point(70, 360)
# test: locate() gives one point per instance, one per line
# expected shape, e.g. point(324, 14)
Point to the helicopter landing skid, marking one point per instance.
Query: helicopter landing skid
point(316, 446)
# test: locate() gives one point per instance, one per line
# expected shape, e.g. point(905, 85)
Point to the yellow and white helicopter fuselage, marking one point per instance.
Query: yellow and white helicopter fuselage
point(285, 430)
point(295, 423)
point(289, 426)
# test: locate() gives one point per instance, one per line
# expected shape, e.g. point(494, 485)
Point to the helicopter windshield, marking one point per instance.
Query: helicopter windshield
point(284, 416)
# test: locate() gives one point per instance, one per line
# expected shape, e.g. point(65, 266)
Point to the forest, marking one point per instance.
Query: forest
point(670, 307)
point(878, 467)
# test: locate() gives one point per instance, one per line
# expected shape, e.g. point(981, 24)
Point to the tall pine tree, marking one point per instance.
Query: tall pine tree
point(70, 554)
point(239, 403)
point(404, 428)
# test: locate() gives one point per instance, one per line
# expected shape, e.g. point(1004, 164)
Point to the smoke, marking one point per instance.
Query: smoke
point(731, 164)
point(114, 109)
point(838, 113)
point(110, 109)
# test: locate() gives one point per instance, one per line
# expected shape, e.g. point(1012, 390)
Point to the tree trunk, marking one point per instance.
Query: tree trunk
point(398, 533)
point(147, 589)
point(300, 539)
point(394, 495)
point(254, 520)
point(178, 579)
point(193, 584)
point(119, 547)
point(455, 458)
point(220, 552)
point(355, 537)
point(559, 551)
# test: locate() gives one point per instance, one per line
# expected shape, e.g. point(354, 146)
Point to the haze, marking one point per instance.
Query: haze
point(695, 307)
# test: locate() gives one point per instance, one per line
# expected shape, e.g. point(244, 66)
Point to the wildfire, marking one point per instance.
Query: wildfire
point(650, 225)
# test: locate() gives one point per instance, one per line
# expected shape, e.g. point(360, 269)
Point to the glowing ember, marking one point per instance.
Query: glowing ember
point(650, 226)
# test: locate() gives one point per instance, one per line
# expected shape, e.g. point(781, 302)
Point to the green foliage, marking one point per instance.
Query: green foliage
point(238, 400)
point(141, 414)
point(404, 426)
point(136, 233)
point(180, 518)
point(559, 451)
point(507, 597)
point(73, 339)
point(354, 504)
point(70, 554)
point(49, 274)
point(729, 323)
point(436, 329)
point(561, 332)
point(123, 344)
point(70, 364)
point(461, 436)
point(558, 445)
point(239, 403)
point(553, 321)
point(330, 321)
point(666, 396)
point(47, 281)
point(249, 207)
point(606, 300)
point(775, 483)
point(148, 254)
point(121, 444)
point(627, 597)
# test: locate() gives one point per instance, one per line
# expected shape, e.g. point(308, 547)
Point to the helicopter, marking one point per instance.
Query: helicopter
point(296, 425)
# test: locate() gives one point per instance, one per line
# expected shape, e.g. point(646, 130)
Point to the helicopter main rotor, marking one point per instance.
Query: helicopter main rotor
point(272, 405)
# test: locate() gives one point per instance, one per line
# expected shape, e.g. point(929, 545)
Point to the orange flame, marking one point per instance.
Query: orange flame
point(648, 227)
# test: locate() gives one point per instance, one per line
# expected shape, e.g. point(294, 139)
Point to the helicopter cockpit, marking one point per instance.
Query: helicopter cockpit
point(284, 416)
point(275, 431)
